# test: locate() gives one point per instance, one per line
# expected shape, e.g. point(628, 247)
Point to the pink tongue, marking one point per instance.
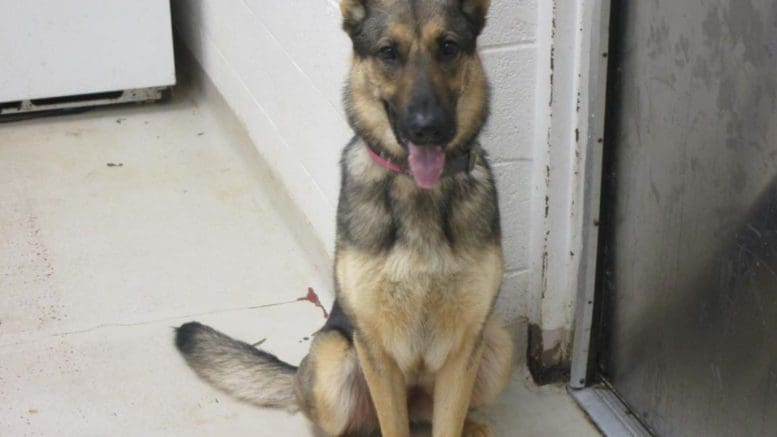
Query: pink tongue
point(426, 164)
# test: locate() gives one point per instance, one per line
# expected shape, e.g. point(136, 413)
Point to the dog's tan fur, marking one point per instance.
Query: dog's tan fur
point(412, 337)
point(414, 332)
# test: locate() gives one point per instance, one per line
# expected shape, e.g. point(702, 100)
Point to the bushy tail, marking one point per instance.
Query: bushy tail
point(237, 368)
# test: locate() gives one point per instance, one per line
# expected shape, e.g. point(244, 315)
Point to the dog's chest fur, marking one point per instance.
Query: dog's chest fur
point(416, 270)
point(380, 211)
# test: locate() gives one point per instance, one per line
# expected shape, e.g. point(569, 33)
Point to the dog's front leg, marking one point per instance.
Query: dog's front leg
point(453, 389)
point(387, 388)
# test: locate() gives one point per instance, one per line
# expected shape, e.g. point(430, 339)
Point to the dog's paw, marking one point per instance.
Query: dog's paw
point(475, 429)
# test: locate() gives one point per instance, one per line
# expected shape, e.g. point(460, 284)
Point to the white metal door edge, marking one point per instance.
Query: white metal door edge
point(595, 31)
point(567, 176)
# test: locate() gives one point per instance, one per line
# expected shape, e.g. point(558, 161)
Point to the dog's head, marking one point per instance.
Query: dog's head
point(417, 89)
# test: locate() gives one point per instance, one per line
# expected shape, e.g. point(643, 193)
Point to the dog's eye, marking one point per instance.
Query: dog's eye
point(449, 49)
point(388, 54)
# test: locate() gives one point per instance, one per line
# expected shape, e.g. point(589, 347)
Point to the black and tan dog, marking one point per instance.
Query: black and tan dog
point(418, 264)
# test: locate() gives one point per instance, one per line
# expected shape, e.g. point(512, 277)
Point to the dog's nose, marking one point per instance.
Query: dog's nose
point(428, 127)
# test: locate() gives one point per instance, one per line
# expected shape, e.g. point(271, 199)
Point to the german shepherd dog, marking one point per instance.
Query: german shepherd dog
point(412, 336)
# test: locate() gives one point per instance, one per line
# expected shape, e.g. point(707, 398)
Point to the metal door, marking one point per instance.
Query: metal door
point(688, 268)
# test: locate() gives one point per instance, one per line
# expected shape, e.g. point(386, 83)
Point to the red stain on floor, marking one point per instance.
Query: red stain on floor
point(312, 297)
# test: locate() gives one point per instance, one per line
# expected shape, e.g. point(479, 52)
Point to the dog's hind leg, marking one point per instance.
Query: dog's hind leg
point(331, 387)
point(496, 365)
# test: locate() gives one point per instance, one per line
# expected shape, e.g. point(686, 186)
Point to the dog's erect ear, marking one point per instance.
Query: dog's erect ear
point(354, 12)
point(475, 11)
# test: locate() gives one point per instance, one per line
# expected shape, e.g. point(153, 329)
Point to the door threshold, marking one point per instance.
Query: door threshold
point(608, 412)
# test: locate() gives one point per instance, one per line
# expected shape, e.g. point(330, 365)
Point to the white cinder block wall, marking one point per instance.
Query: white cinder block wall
point(281, 65)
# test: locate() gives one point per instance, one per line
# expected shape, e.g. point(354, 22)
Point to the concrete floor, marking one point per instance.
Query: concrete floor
point(120, 223)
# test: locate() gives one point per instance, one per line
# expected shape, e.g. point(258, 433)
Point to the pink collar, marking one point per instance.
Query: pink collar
point(464, 163)
point(384, 163)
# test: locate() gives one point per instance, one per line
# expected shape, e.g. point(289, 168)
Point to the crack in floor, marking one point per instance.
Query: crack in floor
point(310, 297)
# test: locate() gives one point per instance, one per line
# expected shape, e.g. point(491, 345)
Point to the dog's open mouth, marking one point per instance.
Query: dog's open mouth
point(426, 161)
point(426, 164)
